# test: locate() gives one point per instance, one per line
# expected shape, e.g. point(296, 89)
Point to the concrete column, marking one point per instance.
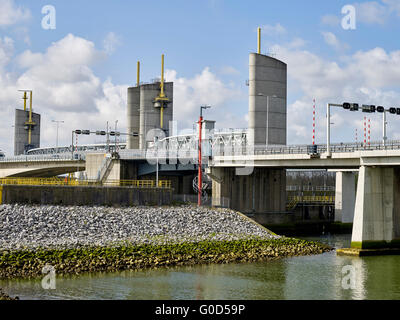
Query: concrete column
point(377, 212)
point(345, 197)
point(264, 191)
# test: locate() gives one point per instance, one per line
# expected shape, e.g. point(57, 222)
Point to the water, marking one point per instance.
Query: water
point(317, 277)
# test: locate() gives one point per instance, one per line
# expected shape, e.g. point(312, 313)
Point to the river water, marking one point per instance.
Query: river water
point(318, 277)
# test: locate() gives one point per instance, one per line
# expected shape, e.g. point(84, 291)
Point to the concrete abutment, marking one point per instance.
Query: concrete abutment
point(264, 191)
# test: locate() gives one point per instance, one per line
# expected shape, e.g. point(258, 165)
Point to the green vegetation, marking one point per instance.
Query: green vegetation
point(29, 263)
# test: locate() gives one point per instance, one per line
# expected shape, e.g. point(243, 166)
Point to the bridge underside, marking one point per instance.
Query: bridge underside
point(40, 170)
point(262, 191)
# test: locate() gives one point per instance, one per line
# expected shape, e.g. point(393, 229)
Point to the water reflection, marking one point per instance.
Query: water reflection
point(308, 277)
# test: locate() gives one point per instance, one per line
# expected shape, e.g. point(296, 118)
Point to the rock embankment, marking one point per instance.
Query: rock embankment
point(88, 239)
point(58, 227)
point(4, 296)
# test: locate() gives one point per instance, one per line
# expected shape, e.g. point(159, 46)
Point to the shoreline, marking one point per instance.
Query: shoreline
point(29, 263)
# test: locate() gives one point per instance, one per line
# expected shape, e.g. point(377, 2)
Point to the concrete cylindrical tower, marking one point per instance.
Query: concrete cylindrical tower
point(169, 110)
point(21, 135)
point(267, 100)
point(149, 115)
point(133, 114)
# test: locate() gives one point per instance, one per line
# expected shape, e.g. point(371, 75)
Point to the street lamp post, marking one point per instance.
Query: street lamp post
point(115, 138)
point(156, 145)
point(58, 123)
point(200, 173)
point(384, 124)
point(328, 127)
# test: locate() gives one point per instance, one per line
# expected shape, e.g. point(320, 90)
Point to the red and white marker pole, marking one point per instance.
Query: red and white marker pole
point(365, 132)
point(313, 134)
point(369, 132)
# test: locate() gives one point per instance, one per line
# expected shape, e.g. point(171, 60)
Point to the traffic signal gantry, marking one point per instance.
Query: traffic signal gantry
point(99, 133)
point(367, 108)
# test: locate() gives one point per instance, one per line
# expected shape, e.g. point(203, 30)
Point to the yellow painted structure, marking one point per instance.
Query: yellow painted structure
point(164, 184)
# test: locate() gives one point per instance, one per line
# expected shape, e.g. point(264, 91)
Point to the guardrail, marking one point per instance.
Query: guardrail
point(49, 157)
point(304, 149)
point(293, 201)
point(163, 184)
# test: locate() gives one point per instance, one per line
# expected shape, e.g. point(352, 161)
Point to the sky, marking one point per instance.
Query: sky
point(80, 64)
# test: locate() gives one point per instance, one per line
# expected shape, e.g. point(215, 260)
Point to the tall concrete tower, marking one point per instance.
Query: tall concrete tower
point(150, 115)
point(267, 99)
point(150, 106)
point(26, 128)
point(133, 117)
point(21, 132)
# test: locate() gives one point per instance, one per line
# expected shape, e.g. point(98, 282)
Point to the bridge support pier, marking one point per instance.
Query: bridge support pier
point(377, 210)
point(264, 191)
point(345, 197)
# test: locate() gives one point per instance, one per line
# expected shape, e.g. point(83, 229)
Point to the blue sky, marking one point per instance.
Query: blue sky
point(80, 70)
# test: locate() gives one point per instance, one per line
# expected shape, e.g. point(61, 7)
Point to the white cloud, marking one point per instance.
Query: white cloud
point(10, 14)
point(276, 29)
point(203, 88)
point(333, 41)
point(64, 88)
point(297, 43)
point(229, 70)
point(330, 20)
point(6, 51)
point(366, 77)
point(111, 42)
point(371, 12)
point(394, 5)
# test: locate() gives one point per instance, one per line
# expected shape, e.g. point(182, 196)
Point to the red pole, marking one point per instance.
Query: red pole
point(369, 132)
point(313, 137)
point(365, 132)
point(200, 182)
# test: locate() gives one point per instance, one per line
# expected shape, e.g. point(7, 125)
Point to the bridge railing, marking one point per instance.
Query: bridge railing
point(305, 149)
point(44, 157)
point(163, 184)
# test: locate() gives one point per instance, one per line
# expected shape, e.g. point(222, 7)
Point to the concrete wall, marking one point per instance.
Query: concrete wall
point(267, 114)
point(133, 117)
point(93, 165)
point(21, 134)
point(264, 191)
point(92, 196)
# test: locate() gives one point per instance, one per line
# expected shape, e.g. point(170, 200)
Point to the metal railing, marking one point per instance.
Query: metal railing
point(293, 201)
point(44, 157)
point(163, 184)
point(305, 149)
point(310, 188)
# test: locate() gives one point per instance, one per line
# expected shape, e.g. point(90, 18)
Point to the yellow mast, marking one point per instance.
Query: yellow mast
point(259, 41)
point(30, 122)
point(162, 99)
point(25, 98)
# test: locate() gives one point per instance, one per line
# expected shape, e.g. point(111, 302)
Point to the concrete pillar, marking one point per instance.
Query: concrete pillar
point(377, 211)
point(345, 197)
point(264, 191)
